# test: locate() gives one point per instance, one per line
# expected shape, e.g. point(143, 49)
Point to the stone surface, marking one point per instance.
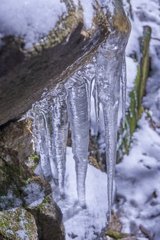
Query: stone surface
point(20, 187)
point(48, 218)
point(17, 223)
point(115, 225)
point(25, 73)
point(18, 136)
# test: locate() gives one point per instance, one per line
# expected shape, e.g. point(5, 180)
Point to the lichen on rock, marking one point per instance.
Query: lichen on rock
point(17, 223)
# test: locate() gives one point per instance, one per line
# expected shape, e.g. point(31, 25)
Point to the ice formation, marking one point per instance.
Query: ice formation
point(110, 68)
point(71, 102)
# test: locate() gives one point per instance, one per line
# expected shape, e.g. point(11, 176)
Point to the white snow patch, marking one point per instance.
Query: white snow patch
point(138, 184)
point(29, 19)
point(84, 223)
point(35, 193)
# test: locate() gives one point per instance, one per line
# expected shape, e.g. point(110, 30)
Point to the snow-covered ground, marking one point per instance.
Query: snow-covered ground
point(138, 175)
point(84, 223)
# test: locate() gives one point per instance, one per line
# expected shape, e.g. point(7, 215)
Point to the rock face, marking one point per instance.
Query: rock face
point(24, 194)
point(25, 73)
point(48, 219)
point(19, 137)
point(17, 223)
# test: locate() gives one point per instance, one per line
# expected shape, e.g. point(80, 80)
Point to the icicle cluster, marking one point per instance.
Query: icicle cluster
point(70, 102)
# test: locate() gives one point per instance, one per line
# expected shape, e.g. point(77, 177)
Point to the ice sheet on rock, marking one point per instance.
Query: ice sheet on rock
point(108, 74)
point(77, 104)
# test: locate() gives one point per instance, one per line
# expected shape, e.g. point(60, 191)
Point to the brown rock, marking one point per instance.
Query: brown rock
point(48, 218)
point(18, 136)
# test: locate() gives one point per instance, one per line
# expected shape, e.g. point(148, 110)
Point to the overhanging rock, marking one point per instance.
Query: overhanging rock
point(25, 73)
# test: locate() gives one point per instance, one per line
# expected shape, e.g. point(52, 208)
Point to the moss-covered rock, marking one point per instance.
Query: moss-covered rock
point(24, 74)
point(33, 160)
point(135, 109)
point(48, 218)
point(18, 180)
point(17, 223)
point(20, 187)
point(117, 235)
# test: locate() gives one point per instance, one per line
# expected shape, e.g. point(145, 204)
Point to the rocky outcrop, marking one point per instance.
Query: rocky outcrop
point(48, 219)
point(17, 223)
point(23, 194)
point(18, 136)
point(25, 73)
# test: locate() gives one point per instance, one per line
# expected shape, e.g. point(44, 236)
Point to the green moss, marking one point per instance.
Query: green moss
point(135, 109)
point(35, 160)
point(116, 235)
point(42, 207)
point(10, 223)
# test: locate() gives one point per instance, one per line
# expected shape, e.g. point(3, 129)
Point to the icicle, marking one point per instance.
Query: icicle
point(88, 74)
point(48, 139)
point(123, 82)
point(51, 131)
point(96, 102)
point(78, 118)
point(60, 134)
point(35, 127)
point(44, 160)
point(108, 73)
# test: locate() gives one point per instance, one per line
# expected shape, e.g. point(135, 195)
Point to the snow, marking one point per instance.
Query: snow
point(138, 183)
point(84, 223)
point(137, 176)
point(29, 19)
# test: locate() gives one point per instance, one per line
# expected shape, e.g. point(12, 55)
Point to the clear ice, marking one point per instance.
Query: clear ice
point(108, 74)
point(79, 123)
point(71, 102)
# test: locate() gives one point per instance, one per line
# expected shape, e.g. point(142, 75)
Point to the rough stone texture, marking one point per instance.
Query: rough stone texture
point(114, 228)
point(115, 225)
point(17, 181)
point(48, 220)
point(20, 187)
point(25, 74)
point(18, 136)
point(18, 224)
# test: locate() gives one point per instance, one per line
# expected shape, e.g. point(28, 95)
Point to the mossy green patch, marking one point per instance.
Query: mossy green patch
point(35, 158)
point(116, 235)
point(11, 221)
point(42, 207)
